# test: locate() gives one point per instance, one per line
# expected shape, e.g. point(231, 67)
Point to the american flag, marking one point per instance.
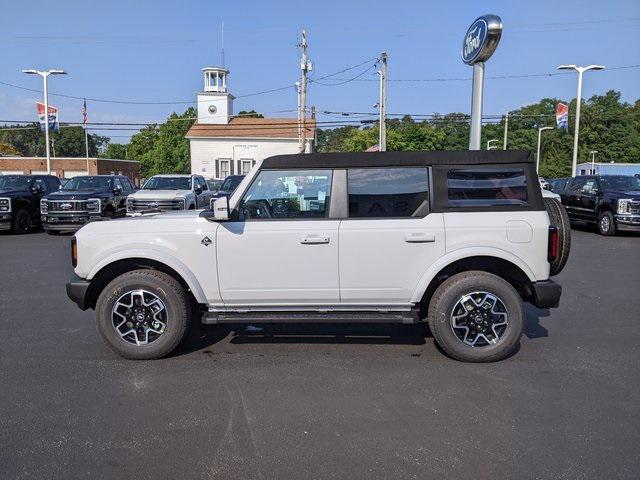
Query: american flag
point(84, 113)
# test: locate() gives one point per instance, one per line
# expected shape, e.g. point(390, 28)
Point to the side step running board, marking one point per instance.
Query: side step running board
point(409, 317)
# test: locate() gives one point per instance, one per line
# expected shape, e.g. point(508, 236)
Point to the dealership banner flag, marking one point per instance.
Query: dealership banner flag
point(562, 116)
point(54, 125)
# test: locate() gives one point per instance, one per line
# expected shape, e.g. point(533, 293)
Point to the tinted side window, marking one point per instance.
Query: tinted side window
point(42, 183)
point(486, 187)
point(576, 185)
point(288, 194)
point(388, 192)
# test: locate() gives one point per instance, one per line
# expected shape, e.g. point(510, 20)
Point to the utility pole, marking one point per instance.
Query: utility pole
point(304, 70)
point(382, 140)
point(298, 94)
point(540, 130)
point(506, 130)
point(593, 161)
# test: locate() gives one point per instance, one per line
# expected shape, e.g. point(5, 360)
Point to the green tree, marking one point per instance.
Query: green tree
point(249, 114)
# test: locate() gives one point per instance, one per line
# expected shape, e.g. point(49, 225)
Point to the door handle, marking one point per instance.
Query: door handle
point(313, 239)
point(419, 237)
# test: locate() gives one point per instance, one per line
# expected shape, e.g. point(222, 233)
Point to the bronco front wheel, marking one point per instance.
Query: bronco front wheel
point(143, 314)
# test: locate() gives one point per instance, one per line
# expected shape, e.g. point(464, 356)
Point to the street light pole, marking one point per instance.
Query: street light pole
point(580, 71)
point(540, 130)
point(45, 74)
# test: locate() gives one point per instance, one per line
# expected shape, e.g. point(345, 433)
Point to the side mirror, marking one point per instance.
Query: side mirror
point(220, 207)
point(36, 188)
point(198, 189)
point(117, 190)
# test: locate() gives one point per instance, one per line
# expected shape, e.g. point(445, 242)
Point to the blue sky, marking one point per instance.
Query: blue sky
point(154, 50)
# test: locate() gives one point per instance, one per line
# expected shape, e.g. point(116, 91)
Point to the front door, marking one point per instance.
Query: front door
point(280, 247)
point(389, 239)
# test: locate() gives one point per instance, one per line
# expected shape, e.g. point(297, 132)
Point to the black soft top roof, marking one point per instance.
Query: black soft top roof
point(396, 159)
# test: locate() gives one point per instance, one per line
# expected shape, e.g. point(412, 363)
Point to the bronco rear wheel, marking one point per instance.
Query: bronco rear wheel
point(143, 314)
point(476, 317)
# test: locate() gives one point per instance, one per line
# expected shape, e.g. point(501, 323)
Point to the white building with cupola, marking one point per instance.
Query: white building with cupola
point(223, 144)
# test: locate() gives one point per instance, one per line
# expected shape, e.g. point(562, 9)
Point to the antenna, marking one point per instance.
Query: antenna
point(222, 43)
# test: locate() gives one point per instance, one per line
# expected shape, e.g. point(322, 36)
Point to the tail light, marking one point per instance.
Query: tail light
point(74, 252)
point(554, 244)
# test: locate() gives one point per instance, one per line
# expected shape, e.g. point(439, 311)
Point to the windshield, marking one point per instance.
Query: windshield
point(168, 183)
point(11, 182)
point(231, 183)
point(214, 184)
point(620, 183)
point(88, 183)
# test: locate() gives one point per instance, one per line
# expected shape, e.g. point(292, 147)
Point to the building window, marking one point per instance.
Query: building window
point(388, 192)
point(245, 166)
point(486, 187)
point(224, 168)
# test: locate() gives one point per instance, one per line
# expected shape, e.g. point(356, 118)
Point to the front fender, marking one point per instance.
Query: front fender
point(461, 254)
point(156, 254)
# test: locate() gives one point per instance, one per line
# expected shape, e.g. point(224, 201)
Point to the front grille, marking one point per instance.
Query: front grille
point(162, 205)
point(634, 208)
point(66, 206)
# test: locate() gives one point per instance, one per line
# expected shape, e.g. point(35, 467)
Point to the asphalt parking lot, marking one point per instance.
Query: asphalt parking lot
point(321, 402)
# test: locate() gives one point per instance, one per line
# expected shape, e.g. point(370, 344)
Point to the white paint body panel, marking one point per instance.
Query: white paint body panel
point(265, 262)
point(382, 260)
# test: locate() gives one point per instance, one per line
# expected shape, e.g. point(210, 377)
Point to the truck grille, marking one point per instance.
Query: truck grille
point(66, 206)
point(162, 205)
point(634, 208)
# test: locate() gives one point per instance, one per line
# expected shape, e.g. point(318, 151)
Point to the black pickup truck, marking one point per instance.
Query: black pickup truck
point(612, 202)
point(20, 200)
point(85, 199)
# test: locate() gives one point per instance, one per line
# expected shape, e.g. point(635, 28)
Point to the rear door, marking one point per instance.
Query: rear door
point(280, 247)
point(389, 238)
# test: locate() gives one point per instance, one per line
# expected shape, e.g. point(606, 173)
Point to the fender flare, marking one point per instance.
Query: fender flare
point(461, 254)
point(158, 256)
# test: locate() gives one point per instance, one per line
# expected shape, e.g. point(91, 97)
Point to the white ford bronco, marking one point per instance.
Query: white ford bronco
point(170, 192)
point(456, 239)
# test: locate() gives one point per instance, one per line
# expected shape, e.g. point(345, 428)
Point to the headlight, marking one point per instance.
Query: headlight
point(129, 203)
point(44, 206)
point(623, 205)
point(94, 205)
point(5, 204)
point(181, 201)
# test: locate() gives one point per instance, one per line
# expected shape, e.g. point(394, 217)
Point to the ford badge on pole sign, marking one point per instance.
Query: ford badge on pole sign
point(481, 39)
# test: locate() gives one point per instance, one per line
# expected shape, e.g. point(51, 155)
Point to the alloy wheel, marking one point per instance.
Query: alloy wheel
point(139, 317)
point(479, 319)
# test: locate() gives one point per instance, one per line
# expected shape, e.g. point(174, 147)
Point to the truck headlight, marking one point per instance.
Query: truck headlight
point(44, 206)
point(5, 205)
point(182, 202)
point(94, 205)
point(623, 205)
point(129, 204)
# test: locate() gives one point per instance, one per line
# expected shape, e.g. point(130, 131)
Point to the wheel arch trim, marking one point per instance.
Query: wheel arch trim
point(462, 254)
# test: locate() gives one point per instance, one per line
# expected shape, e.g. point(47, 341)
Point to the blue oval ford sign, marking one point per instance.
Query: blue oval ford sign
point(481, 39)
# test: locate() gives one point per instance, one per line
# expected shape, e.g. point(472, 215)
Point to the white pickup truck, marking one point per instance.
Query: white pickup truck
point(456, 239)
point(170, 192)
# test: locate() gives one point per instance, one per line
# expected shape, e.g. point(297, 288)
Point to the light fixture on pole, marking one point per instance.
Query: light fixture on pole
point(540, 130)
point(45, 74)
point(580, 71)
point(489, 142)
point(593, 161)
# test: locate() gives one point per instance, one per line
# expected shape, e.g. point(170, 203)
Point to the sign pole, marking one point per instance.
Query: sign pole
point(46, 123)
point(476, 106)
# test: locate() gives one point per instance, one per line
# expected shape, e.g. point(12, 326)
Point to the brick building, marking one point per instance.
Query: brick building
point(67, 167)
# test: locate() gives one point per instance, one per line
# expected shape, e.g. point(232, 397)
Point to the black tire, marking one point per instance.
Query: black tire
point(21, 221)
point(606, 223)
point(171, 294)
point(558, 217)
point(446, 298)
point(107, 214)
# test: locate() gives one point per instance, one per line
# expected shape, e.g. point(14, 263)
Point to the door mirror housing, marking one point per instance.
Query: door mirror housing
point(198, 189)
point(117, 190)
point(220, 207)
